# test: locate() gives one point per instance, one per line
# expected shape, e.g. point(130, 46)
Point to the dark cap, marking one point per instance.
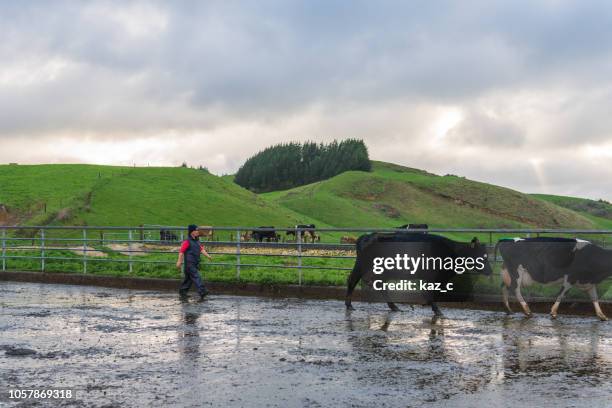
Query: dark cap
point(191, 228)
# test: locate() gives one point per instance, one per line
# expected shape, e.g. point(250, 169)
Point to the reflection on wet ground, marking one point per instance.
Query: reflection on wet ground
point(137, 348)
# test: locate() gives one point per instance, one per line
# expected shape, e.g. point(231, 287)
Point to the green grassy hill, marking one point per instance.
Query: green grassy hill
point(392, 195)
point(74, 194)
point(599, 212)
point(388, 196)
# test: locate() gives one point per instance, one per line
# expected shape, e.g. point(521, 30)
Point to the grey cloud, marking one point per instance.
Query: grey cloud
point(254, 58)
point(478, 128)
point(309, 70)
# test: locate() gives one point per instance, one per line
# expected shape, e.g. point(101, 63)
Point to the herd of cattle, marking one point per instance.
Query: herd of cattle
point(261, 234)
point(269, 234)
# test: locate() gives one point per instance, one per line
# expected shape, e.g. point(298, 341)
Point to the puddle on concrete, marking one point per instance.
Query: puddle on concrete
point(137, 348)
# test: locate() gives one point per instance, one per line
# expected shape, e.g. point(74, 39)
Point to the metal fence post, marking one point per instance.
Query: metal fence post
point(84, 250)
point(3, 249)
point(238, 254)
point(130, 249)
point(42, 250)
point(298, 234)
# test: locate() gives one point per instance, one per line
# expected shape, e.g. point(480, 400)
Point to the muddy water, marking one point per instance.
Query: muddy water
point(135, 348)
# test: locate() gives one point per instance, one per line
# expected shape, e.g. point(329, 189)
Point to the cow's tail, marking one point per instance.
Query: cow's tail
point(495, 249)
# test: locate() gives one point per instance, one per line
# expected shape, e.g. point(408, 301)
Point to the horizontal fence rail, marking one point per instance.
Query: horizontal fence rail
point(156, 246)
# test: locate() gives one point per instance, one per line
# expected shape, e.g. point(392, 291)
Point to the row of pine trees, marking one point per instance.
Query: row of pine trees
point(288, 165)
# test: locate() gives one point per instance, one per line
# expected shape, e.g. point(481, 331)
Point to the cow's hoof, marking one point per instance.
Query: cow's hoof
point(553, 316)
point(350, 307)
point(528, 315)
point(603, 318)
point(509, 312)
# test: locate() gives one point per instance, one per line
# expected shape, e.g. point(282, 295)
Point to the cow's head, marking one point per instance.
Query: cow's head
point(478, 251)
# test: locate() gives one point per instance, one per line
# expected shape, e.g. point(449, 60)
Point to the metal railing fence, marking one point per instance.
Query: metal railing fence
point(127, 245)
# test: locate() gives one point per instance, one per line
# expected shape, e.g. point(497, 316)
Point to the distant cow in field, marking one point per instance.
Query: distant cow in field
point(308, 232)
point(346, 239)
point(167, 236)
point(265, 233)
point(550, 260)
point(438, 246)
point(207, 231)
point(413, 226)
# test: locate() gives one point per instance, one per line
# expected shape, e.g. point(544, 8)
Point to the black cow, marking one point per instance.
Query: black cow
point(413, 226)
point(265, 233)
point(167, 236)
point(549, 260)
point(439, 246)
point(308, 231)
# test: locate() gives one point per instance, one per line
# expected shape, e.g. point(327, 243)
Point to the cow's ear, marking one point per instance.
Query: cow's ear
point(474, 242)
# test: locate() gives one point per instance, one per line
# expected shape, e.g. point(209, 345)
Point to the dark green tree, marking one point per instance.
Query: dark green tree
point(288, 165)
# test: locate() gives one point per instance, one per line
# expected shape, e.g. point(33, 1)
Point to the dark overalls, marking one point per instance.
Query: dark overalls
point(192, 262)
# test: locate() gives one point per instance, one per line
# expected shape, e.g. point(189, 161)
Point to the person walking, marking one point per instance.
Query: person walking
point(190, 252)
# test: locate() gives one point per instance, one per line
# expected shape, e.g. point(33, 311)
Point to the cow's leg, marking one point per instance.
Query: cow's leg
point(595, 300)
point(436, 309)
point(505, 297)
point(524, 305)
point(506, 283)
point(391, 305)
point(564, 289)
point(352, 281)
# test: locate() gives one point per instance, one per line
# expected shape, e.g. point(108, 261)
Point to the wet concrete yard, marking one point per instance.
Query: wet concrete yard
point(135, 348)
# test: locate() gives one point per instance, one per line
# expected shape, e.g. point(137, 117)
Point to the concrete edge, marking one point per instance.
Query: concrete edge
point(481, 302)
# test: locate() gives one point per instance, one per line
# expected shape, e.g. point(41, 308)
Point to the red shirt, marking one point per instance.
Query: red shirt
point(185, 245)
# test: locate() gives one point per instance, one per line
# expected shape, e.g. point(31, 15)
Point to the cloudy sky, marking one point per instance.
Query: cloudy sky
point(514, 93)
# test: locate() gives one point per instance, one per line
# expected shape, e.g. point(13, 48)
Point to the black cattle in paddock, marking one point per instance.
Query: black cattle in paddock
point(265, 234)
point(439, 246)
point(552, 260)
point(308, 231)
point(167, 236)
point(413, 226)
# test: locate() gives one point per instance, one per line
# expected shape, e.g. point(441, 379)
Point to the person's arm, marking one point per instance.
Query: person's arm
point(203, 251)
point(181, 255)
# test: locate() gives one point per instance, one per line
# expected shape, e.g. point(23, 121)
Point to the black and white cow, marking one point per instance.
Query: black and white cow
point(438, 246)
point(308, 232)
point(551, 260)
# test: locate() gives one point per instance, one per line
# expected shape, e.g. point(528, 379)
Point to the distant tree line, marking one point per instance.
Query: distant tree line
point(290, 165)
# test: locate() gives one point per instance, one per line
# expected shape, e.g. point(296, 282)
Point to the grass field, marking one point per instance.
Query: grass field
point(599, 212)
point(130, 196)
point(393, 195)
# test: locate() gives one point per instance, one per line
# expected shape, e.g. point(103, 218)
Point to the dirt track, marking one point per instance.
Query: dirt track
point(138, 348)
